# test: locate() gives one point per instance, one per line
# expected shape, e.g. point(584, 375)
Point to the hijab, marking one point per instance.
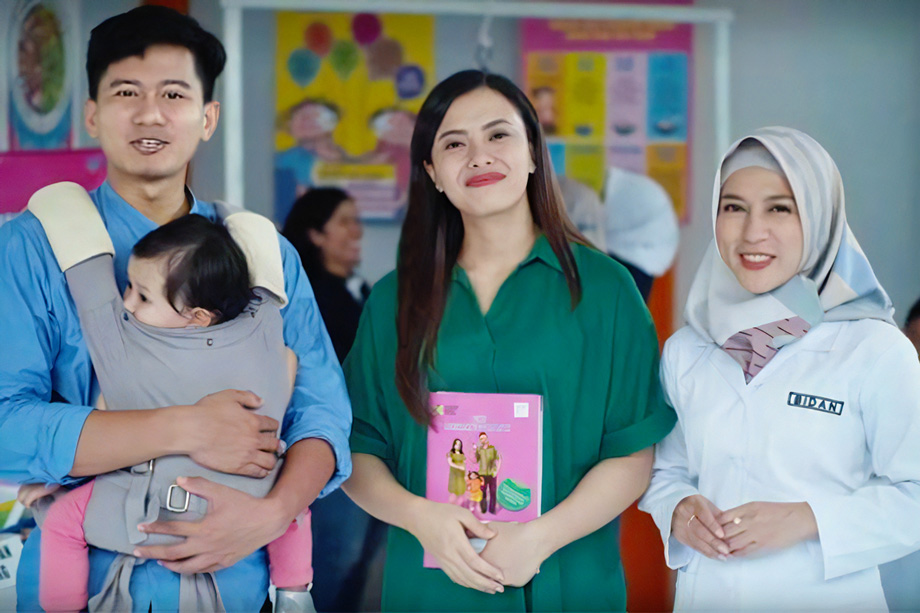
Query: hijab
point(835, 281)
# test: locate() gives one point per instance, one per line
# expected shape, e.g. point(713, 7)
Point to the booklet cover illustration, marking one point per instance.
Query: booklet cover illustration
point(485, 454)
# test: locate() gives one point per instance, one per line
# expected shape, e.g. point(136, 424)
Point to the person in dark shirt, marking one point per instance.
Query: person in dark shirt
point(324, 227)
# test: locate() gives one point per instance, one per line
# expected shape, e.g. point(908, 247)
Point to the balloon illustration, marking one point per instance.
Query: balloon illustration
point(384, 57)
point(410, 80)
point(318, 38)
point(366, 28)
point(344, 58)
point(303, 65)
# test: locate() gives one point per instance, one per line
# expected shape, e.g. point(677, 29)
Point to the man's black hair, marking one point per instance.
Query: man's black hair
point(913, 314)
point(205, 268)
point(130, 34)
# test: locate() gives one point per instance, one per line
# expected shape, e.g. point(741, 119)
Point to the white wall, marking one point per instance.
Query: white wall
point(845, 71)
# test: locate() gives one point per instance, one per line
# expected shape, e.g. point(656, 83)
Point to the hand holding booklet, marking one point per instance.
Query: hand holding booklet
point(485, 453)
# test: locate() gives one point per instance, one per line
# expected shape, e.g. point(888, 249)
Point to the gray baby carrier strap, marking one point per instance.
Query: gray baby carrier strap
point(143, 367)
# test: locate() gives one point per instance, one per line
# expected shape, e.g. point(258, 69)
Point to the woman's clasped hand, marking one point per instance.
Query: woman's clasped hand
point(749, 529)
point(444, 531)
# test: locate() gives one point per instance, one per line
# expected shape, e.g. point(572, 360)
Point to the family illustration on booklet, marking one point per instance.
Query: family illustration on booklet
point(474, 482)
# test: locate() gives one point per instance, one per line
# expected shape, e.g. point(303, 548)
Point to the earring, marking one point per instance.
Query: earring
point(533, 167)
point(439, 188)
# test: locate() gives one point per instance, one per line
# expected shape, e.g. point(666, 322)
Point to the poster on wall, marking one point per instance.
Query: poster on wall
point(41, 43)
point(613, 93)
point(349, 87)
point(22, 173)
point(39, 77)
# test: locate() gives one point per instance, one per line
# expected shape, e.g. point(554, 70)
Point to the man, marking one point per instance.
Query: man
point(490, 461)
point(151, 79)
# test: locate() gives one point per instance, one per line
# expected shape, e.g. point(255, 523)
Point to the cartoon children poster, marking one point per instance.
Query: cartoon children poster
point(348, 90)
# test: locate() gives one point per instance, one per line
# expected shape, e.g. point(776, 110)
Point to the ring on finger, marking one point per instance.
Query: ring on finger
point(689, 521)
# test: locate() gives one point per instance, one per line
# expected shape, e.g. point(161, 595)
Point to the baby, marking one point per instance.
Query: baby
point(187, 274)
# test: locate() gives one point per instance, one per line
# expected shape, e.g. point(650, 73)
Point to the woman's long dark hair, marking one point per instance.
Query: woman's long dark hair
point(311, 212)
point(432, 233)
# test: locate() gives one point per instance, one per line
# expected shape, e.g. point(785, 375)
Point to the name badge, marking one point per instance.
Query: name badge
point(816, 403)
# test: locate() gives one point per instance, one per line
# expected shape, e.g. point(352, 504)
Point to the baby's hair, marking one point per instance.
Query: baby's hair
point(204, 267)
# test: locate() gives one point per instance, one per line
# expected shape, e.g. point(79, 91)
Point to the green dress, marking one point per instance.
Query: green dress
point(597, 370)
point(456, 481)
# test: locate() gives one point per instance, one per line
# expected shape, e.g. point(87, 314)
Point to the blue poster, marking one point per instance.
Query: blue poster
point(667, 97)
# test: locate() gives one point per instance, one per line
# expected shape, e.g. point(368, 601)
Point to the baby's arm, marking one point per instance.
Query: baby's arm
point(292, 365)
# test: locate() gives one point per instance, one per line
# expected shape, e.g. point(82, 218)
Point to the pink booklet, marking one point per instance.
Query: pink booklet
point(485, 453)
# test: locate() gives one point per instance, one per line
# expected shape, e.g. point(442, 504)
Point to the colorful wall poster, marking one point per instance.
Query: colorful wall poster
point(348, 90)
point(22, 173)
point(39, 76)
point(622, 86)
point(41, 43)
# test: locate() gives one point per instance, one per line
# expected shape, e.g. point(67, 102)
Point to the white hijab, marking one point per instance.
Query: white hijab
point(835, 281)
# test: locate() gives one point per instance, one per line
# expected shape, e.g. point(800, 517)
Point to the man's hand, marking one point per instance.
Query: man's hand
point(517, 550)
point(235, 525)
point(229, 437)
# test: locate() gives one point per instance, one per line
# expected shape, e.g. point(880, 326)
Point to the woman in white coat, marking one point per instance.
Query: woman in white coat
point(794, 470)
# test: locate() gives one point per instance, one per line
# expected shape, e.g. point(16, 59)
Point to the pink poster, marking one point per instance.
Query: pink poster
point(22, 173)
point(640, 121)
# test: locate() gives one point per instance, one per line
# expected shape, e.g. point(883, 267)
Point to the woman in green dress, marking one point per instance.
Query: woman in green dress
point(496, 292)
point(456, 480)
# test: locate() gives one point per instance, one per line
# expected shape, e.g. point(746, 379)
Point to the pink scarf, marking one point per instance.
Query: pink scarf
point(753, 348)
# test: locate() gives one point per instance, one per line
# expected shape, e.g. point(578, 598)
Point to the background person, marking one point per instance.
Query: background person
point(326, 230)
point(794, 470)
point(495, 291)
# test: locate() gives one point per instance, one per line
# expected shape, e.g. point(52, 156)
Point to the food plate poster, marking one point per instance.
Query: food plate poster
point(40, 109)
point(613, 93)
point(41, 73)
point(349, 87)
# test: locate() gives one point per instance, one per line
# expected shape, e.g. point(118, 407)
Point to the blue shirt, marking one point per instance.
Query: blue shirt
point(47, 386)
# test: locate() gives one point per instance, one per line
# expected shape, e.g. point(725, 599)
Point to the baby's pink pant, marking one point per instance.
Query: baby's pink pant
point(64, 562)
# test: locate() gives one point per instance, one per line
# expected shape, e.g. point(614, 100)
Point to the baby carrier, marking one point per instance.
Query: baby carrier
point(143, 367)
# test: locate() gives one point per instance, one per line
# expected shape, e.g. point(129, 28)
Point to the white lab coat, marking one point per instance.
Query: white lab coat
point(859, 470)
